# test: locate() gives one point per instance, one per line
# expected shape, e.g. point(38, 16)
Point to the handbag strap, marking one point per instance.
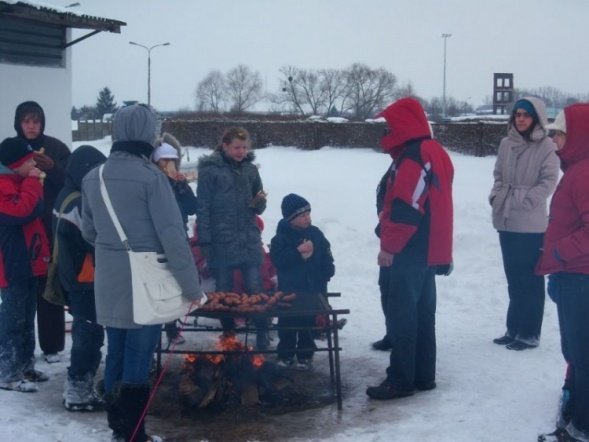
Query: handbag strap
point(68, 199)
point(111, 211)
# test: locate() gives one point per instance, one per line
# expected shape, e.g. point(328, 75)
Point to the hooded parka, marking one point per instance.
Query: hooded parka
point(566, 241)
point(526, 172)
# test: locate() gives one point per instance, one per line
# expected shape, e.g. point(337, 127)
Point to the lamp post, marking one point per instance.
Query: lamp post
point(148, 49)
point(445, 37)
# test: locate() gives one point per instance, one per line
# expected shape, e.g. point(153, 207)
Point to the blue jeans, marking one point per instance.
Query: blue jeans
point(572, 292)
point(526, 289)
point(130, 355)
point(250, 273)
point(411, 324)
point(87, 335)
point(252, 280)
point(17, 329)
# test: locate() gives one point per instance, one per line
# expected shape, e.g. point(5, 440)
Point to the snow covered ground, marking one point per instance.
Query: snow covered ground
point(485, 392)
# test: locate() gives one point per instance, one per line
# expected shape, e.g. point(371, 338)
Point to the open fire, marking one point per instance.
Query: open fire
point(232, 376)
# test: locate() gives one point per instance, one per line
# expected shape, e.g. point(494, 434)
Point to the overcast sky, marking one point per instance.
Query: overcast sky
point(542, 42)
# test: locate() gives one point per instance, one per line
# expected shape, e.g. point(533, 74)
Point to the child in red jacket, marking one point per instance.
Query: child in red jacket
point(24, 253)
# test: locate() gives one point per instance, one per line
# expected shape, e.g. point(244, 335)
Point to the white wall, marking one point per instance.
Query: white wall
point(50, 87)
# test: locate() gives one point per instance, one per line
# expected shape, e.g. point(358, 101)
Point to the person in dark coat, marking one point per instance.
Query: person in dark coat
point(304, 264)
point(230, 195)
point(383, 344)
point(416, 225)
point(76, 275)
point(166, 156)
point(51, 157)
point(25, 252)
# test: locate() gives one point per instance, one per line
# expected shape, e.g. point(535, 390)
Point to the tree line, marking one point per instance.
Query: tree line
point(357, 92)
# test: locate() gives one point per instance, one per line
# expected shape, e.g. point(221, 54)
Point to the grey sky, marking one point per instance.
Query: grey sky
point(543, 42)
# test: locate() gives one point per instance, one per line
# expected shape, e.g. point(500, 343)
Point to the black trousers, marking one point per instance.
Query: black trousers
point(411, 323)
point(50, 323)
point(572, 293)
point(296, 337)
point(526, 289)
point(383, 284)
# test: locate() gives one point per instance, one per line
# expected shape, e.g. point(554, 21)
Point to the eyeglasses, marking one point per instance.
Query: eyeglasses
point(556, 133)
point(522, 115)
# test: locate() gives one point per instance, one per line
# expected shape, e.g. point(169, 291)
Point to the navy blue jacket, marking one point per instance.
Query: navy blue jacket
point(296, 274)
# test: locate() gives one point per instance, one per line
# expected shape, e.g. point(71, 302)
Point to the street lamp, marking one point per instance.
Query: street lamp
point(148, 49)
point(445, 37)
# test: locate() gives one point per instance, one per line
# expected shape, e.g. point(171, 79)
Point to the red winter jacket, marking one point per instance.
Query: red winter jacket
point(566, 241)
point(24, 248)
point(417, 216)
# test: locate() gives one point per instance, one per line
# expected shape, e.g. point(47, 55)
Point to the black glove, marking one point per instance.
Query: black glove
point(43, 162)
point(445, 270)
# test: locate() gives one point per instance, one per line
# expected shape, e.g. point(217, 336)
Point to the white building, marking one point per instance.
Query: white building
point(35, 61)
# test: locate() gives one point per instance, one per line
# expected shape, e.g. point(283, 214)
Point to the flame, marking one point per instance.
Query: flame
point(228, 342)
point(258, 361)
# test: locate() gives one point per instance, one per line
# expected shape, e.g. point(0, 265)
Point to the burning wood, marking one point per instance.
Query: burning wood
point(234, 375)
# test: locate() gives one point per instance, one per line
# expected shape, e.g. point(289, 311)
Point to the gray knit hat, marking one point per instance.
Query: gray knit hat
point(135, 123)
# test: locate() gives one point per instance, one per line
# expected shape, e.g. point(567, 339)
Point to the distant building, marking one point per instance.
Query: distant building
point(502, 92)
point(35, 60)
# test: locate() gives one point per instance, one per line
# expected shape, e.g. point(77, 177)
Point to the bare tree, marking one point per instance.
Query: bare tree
point(211, 92)
point(369, 90)
point(244, 88)
point(454, 108)
point(292, 92)
point(405, 90)
point(333, 85)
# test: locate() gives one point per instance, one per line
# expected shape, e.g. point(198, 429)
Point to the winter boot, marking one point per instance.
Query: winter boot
point(133, 401)
point(79, 394)
point(114, 414)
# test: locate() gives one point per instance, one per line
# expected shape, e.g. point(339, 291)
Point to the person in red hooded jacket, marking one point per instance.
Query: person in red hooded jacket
point(24, 254)
point(415, 227)
point(565, 257)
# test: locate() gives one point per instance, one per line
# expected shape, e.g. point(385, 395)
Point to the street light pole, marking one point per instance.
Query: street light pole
point(445, 37)
point(148, 49)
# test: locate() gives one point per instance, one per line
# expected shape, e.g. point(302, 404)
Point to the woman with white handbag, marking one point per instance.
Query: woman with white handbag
point(131, 217)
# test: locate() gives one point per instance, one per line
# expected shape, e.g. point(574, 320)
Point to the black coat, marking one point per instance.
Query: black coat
point(73, 249)
point(296, 274)
point(226, 221)
point(184, 197)
point(54, 149)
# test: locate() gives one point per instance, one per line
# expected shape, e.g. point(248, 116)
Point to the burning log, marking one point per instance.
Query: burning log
point(233, 376)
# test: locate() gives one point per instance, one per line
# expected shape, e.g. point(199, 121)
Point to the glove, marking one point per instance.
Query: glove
point(445, 270)
point(43, 162)
point(258, 202)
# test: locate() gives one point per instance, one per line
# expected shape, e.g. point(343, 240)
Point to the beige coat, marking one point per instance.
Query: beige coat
point(526, 173)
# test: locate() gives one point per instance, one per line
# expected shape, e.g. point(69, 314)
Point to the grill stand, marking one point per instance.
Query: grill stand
point(321, 308)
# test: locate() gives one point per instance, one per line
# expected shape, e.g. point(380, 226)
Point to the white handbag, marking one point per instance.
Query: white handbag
point(157, 296)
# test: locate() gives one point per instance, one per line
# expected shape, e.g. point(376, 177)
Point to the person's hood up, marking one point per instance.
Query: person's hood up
point(81, 161)
point(169, 139)
point(406, 121)
point(539, 130)
point(576, 147)
point(25, 108)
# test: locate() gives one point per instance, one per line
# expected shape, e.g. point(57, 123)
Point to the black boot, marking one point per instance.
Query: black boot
point(114, 414)
point(133, 400)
